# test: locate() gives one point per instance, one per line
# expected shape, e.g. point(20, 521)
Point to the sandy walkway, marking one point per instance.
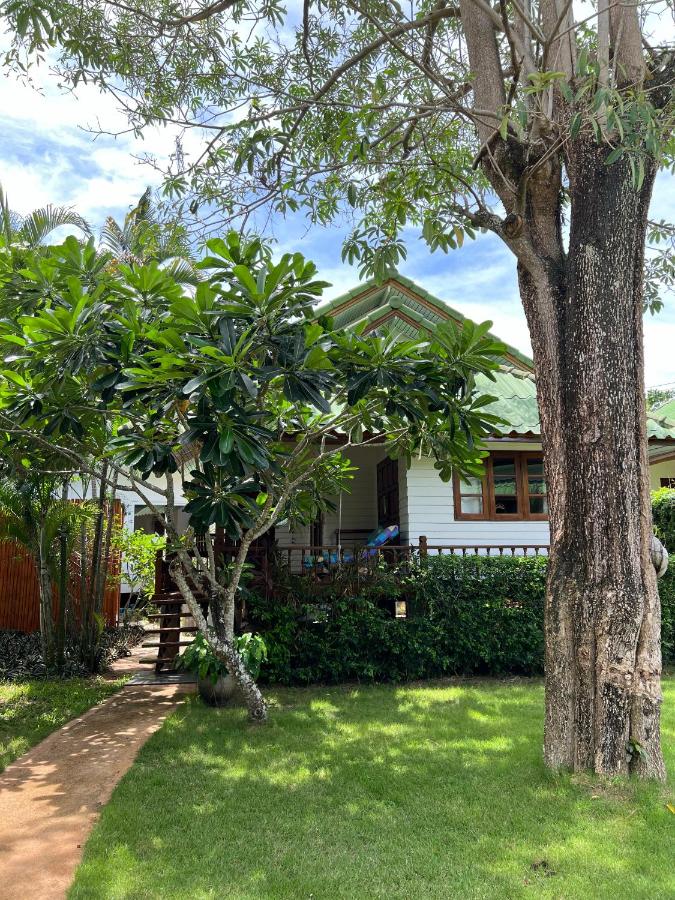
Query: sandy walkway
point(50, 797)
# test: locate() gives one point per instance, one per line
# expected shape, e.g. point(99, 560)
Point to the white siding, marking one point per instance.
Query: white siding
point(659, 470)
point(431, 513)
point(403, 503)
point(359, 503)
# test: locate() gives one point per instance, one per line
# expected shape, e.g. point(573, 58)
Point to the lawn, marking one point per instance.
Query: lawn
point(30, 710)
point(433, 791)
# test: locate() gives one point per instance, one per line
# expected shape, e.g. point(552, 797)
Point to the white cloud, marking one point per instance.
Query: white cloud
point(55, 155)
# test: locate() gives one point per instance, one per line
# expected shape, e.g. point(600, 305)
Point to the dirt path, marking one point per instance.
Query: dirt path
point(50, 798)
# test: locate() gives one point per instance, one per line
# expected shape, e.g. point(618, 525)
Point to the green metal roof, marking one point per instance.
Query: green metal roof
point(516, 400)
point(666, 410)
point(406, 309)
point(659, 427)
point(403, 305)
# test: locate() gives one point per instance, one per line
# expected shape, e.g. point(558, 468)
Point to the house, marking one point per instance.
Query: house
point(506, 509)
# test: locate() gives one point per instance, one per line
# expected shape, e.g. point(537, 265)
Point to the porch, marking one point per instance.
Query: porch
point(308, 571)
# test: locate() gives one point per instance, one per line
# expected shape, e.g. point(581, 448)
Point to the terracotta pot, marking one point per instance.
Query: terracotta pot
point(219, 694)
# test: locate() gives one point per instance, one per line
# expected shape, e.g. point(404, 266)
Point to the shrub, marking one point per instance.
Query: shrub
point(667, 593)
point(199, 658)
point(21, 654)
point(663, 516)
point(471, 615)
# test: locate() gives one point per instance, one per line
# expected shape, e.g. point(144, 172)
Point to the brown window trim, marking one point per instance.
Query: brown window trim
point(489, 513)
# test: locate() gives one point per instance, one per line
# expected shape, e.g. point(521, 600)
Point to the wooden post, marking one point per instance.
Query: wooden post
point(423, 546)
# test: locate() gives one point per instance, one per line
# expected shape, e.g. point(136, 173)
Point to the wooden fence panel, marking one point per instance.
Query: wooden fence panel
point(20, 591)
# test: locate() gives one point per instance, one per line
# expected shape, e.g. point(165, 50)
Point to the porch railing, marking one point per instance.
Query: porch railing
point(323, 559)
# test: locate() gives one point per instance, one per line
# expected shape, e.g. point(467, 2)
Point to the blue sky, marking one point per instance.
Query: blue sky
point(47, 155)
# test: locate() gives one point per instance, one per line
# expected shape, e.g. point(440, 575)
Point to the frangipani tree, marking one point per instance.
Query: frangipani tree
point(542, 122)
point(239, 378)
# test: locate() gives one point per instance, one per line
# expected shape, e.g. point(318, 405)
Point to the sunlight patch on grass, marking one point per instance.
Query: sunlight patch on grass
point(429, 791)
point(30, 710)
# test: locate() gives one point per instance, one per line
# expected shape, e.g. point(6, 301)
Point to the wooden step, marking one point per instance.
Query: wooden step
point(191, 629)
point(169, 615)
point(168, 644)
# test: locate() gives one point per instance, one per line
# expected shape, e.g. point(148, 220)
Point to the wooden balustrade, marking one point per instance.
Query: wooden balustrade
point(321, 562)
point(324, 558)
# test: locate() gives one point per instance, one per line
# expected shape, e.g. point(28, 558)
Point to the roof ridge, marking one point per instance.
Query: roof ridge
point(349, 297)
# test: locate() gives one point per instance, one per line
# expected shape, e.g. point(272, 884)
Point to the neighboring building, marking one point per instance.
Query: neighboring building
point(507, 508)
point(661, 454)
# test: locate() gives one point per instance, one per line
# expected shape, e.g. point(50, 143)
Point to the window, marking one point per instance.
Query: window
point(514, 487)
point(668, 482)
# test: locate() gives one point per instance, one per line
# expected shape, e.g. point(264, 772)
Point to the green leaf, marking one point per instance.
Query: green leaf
point(244, 276)
point(617, 153)
point(575, 125)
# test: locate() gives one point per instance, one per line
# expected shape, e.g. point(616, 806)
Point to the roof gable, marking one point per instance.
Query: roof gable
point(404, 307)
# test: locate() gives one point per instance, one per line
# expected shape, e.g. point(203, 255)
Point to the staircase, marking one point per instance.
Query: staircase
point(170, 630)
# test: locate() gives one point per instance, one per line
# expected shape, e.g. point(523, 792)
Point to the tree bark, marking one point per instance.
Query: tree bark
point(46, 603)
point(223, 648)
point(603, 655)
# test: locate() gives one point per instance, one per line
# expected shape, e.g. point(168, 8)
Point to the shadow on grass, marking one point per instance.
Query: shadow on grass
point(418, 791)
point(30, 710)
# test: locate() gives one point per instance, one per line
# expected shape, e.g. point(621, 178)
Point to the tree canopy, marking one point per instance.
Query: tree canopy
point(431, 115)
point(539, 121)
point(235, 387)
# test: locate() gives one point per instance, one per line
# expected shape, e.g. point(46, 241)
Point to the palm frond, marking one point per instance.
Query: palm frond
point(116, 239)
point(17, 516)
point(6, 224)
point(143, 212)
point(183, 271)
point(39, 224)
point(65, 517)
point(64, 520)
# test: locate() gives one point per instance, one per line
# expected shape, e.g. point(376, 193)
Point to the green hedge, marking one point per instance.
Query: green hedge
point(663, 515)
point(667, 593)
point(471, 616)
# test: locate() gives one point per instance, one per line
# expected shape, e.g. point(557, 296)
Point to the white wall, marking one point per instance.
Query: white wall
point(431, 513)
point(659, 470)
point(359, 502)
point(403, 503)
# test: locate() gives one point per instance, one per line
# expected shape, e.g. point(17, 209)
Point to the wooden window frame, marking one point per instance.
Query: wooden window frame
point(490, 514)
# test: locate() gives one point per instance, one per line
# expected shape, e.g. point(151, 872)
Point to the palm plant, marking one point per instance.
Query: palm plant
point(33, 229)
point(148, 236)
point(46, 527)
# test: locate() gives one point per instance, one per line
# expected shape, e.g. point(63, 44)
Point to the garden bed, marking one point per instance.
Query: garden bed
point(21, 656)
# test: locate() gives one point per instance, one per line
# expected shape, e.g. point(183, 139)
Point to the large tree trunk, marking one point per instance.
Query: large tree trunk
point(603, 656)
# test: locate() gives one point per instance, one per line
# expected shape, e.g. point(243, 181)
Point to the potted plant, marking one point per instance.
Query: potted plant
point(216, 686)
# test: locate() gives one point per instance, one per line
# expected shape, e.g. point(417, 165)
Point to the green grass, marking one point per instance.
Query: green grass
point(30, 710)
point(434, 791)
